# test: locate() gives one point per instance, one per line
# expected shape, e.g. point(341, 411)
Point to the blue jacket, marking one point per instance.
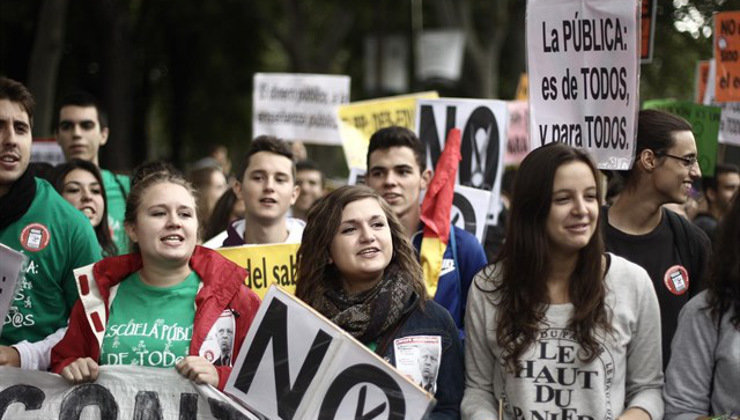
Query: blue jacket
point(460, 264)
point(432, 320)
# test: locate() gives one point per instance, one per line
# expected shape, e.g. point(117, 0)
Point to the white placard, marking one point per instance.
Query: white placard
point(470, 210)
point(296, 364)
point(483, 124)
point(120, 392)
point(393, 64)
point(11, 266)
point(440, 54)
point(299, 107)
point(729, 120)
point(583, 64)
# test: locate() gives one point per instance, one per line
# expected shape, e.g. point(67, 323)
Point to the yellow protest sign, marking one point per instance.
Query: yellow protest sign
point(359, 120)
point(266, 264)
point(522, 89)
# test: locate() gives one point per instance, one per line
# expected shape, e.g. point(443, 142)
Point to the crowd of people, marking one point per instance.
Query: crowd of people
point(570, 308)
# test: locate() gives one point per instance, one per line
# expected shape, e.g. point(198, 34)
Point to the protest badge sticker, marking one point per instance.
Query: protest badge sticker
point(297, 364)
point(266, 264)
point(727, 56)
point(583, 65)
point(359, 120)
point(483, 124)
point(299, 107)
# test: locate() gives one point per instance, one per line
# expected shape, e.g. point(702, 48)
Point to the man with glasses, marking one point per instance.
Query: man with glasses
point(672, 250)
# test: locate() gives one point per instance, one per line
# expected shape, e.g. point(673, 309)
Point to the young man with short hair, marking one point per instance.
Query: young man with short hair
point(53, 235)
point(310, 181)
point(266, 184)
point(718, 191)
point(82, 129)
point(396, 162)
point(672, 250)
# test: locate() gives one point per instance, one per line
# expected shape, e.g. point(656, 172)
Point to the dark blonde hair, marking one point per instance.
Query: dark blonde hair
point(143, 184)
point(316, 275)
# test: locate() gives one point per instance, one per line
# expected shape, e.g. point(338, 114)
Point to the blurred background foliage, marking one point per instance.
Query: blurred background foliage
point(176, 77)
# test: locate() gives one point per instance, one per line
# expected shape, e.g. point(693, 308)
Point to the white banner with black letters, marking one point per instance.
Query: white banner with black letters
point(295, 364)
point(483, 124)
point(583, 65)
point(299, 107)
point(120, 392)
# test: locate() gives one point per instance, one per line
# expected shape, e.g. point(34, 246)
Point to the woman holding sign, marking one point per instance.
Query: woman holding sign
point(703, 375)
point(556, 328)
point(356, 267)
point(169, 304)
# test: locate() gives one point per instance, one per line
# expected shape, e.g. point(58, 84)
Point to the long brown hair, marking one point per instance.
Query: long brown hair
point(316, 275)
point(525, 265)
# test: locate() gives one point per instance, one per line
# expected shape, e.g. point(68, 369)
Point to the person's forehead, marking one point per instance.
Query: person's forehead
point(78, 113)
point(393, 156)
point(270, 162)
point(683, 141)
point(731, 178)
point(308, 173)
point(13, 111)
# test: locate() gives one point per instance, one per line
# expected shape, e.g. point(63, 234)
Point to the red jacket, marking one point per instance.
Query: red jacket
point(223, 289)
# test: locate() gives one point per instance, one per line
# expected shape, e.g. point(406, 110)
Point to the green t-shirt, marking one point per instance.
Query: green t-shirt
point(56, 238)
point(117, 188)
point(148, 325)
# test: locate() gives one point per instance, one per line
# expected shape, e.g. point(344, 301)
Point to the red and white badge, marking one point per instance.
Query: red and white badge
point(676, 280)
point(35, 237)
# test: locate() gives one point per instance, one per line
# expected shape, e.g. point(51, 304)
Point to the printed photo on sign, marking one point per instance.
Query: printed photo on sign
point(419, 357)
point(219, 343)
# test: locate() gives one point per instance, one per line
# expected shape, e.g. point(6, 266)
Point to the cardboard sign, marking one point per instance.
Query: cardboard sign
point(120, 392)
point(298, 107)
point(11, 267)
point(517, 133)
point(582, 58)
point(296, 364)
point(647, 36)
point(470, 210)
point(701, 78)
point(440, 54)
point(359, 120)
point(483, 126)
point(266, 264)
point(705, 123)
point(727, 56)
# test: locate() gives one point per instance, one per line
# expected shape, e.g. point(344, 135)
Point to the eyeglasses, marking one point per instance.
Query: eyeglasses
point(687, 161)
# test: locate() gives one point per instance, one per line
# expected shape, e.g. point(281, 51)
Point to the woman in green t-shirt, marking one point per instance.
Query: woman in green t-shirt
point(138, 309)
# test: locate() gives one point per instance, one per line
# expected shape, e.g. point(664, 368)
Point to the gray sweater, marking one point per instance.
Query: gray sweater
point(553, 382)
point(699, 344)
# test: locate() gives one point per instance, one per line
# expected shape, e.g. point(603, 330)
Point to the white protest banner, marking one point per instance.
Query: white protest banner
point(470, 210)
point(583, 64)
point(120, 392)
point(517, 133)
point(299, 107)
point(47, 150)
point(11, 264)
point(394, 64)
point(483, 123)
point(295, 364)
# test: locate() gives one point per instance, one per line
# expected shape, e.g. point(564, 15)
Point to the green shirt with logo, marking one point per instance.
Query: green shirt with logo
point(117, 188)
point(56, 238)
point(148, 325)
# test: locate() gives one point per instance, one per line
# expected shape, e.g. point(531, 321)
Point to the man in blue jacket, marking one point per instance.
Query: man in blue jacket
point(396, 162)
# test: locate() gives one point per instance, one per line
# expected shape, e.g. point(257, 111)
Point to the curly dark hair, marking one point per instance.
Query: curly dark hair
point(724, 274)
point(525, 263)
point(316, 275)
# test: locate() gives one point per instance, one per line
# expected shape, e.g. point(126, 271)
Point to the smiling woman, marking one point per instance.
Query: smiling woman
point(357, 268)
point(81, 184)
point(170, 303)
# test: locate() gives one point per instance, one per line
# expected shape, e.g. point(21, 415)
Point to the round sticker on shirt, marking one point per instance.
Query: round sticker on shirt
point(35, 237)
point(676, 279)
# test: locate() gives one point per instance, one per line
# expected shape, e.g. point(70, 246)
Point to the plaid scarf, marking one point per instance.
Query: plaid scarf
point(366, 316)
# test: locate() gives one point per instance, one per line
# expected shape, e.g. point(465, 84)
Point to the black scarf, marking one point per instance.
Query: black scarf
point(18, 199)
point(368, 315)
